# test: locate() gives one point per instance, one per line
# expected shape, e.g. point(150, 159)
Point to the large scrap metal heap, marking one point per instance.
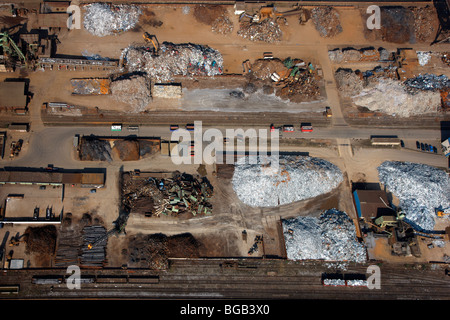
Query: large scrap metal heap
point(169, 194)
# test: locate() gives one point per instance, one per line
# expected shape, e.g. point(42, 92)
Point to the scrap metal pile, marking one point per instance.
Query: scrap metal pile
point(327, 21)
point(265, 183)
point(222, 25)
point(133, 90)
point(267, 30)
point(101, 19)
point(95, 256)
point(173, 59)
point(180, 194)
point(90, 86)
point(330, 237)
point(384, 93)
point(421, 190)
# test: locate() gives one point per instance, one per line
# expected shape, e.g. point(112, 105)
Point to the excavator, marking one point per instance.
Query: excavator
point(15, 241)
point(154, 41)
point(443, 213)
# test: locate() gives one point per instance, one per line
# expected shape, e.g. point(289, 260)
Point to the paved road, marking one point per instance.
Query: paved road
point(55, 144)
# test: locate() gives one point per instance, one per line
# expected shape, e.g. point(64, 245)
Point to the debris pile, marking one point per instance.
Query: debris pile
point(95, 256)
point(348, 82)
point(420, 189)
point(153, 251)
point(95, 150)
point(425, 19)
point(133, 90)
point(41, 240)
point(446, 58)
point(173, 195)
point(291, 79)
point(428, 82)
point(394, 98)
point(267, 30)
point(174, 59)
point(269, 182)
point(326, 20)
point(94, 86)
point(423, 57)
point(222, 25)
point(207, 14)
point(170, 91)
point(330, 237)
point(101, 19)
point(354, 55)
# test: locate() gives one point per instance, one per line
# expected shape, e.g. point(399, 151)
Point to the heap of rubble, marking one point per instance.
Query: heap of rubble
point(267, 30)
point(173, 59)
point(270, 182)
point(182, 193)
point(133, 90)
point(222, 25)
point(101, 19)
point(330, 237)
point(327, 21)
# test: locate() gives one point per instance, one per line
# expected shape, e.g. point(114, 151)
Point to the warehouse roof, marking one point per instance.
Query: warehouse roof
point(52, 177)
point(371, 203)
point(12, 94)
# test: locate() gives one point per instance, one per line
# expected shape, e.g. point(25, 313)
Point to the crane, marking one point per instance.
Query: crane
point(10, 48)
point(152, 38)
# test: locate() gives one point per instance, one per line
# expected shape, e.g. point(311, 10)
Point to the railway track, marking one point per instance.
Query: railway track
point(261, 279)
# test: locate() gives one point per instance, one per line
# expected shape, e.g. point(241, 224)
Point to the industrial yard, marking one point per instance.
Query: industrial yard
point(356, 124)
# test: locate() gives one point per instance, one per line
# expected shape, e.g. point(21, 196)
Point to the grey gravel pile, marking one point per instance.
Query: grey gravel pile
point(295, 178)
point(330, 237)
point(421, 189)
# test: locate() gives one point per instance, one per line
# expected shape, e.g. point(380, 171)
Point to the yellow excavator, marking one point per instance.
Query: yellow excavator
point(442, 213)
point(153, 40)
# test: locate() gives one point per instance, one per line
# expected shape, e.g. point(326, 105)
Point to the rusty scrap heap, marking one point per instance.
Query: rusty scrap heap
point(180, 194)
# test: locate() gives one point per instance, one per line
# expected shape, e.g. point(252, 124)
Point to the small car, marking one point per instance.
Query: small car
point(426, 146)
point(431, 148)
point(422, 146)
point(93, 191)
point(418, 144)
point(402, 143)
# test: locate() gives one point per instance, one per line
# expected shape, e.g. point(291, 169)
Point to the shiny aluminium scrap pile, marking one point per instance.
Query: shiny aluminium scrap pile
point(428, 82)
point(173, 59)
point(330, 237)
point(420, 189)
point(264, 183)
point(101, 19)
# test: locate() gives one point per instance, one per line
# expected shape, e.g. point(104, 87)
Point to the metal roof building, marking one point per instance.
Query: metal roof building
point(82, 179)
point(371, 204)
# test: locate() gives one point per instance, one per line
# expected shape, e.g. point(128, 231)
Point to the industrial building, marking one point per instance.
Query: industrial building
point(371, 204)
point(55, 178)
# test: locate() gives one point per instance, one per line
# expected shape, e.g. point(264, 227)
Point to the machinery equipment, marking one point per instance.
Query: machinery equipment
point(15, 241)
point(119, 226)
point(153, 40)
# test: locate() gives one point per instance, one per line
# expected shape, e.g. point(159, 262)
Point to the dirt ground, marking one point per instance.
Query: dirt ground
point(219, 235)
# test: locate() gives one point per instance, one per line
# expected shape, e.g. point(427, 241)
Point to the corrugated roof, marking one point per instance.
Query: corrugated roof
point(369, 203)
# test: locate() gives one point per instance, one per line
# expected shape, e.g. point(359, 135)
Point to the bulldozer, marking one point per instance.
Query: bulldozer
point(153, 40)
